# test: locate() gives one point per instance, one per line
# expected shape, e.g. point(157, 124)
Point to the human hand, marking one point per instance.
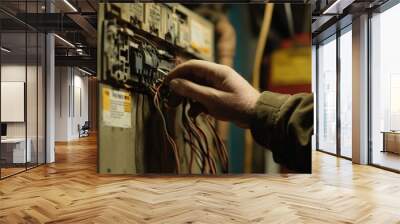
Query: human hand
point(223, 92)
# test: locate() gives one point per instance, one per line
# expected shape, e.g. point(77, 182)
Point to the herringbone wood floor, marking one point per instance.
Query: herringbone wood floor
point(70, 191)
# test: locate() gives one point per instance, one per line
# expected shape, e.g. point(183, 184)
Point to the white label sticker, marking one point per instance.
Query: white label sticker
point(116, 108)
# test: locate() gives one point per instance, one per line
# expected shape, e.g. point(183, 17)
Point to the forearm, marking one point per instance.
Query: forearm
point(284, 124)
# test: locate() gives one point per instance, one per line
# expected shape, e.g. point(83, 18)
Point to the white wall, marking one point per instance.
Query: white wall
point(80, 110)
point(71, 102)
point(12, 73)
point(62, 81)
point(33, 127)
point(16, 73)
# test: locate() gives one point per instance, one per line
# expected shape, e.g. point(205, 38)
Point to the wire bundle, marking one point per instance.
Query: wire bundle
point(155, 89)
point(200, 147)
point(195, 136)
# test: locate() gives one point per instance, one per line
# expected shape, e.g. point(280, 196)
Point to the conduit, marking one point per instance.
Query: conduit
point(262, 41)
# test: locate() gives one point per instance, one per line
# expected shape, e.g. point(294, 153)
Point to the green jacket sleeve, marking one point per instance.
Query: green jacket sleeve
point(284, 124)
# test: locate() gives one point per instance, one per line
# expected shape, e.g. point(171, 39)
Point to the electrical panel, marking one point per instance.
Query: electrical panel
point(139, 43)
point(133, 33)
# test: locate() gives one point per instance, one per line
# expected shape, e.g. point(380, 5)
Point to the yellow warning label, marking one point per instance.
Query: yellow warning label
point(116, 107)
point(106, 99)
point(291, 66)
point(127, 103)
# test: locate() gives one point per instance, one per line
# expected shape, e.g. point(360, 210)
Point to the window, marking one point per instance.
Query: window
point(327, 96)
point(314, 90)
point(346, 93)
point(385, 89)
point(22, 101)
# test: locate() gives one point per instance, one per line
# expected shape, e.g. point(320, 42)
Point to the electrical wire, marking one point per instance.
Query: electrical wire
point(211, 161)
point(221, 149)
point(156, 101)
point(196, 138)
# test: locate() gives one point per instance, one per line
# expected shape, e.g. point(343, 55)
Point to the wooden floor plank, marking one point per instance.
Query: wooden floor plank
point(70, 191)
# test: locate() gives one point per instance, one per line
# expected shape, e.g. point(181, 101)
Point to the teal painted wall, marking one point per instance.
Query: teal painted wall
point(243, 63)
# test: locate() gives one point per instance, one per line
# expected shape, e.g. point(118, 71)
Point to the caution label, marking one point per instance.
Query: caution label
point(116, 108)
point(291, 66)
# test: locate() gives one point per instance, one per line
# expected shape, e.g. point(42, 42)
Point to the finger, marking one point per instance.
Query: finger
point(202, 72)
point(194, 91)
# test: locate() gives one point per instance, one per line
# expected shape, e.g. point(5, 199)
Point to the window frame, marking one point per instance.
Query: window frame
point(333, 37)
point(31, 30)
point(371, 13)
